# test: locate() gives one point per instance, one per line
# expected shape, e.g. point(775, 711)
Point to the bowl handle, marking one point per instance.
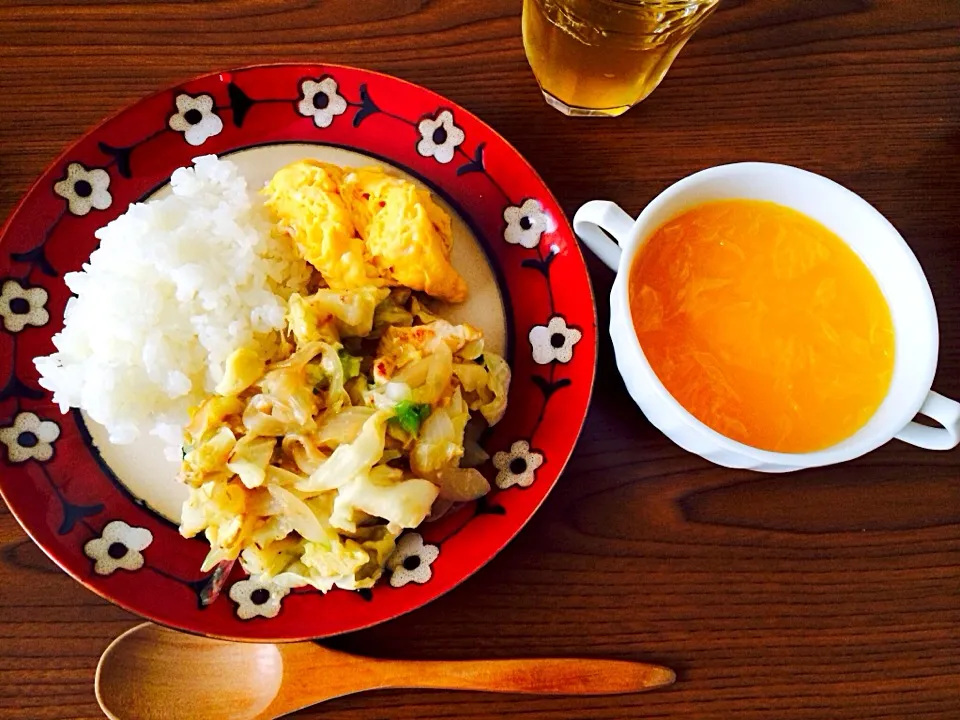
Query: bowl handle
point(597, 216)
point(946, 412)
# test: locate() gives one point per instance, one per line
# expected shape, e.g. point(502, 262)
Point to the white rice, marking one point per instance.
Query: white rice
point(176, 285)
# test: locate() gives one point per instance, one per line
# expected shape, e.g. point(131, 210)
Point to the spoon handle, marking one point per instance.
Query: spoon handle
point(534, 676)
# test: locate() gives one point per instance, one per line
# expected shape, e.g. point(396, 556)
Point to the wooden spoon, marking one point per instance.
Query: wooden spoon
point(152, 672)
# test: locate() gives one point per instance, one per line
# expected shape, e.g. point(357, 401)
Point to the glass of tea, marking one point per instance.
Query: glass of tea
point(602, 57)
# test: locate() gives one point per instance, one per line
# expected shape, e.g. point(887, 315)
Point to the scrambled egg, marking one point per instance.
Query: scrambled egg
point(305, 201)
point(408, 235)
point(366, 227)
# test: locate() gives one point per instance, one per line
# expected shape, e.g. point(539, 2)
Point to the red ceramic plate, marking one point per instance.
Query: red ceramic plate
point(94, 520)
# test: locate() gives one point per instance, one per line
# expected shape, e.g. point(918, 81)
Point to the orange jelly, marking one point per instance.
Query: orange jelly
point(763, 324)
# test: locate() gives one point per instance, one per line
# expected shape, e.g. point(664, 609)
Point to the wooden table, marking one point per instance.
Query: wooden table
point(824, 594)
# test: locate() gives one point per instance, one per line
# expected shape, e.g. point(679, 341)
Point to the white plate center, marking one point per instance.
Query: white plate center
point(142, 468)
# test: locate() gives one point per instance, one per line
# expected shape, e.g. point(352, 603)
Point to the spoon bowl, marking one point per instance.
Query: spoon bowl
point(152, 673)
point(149, 672)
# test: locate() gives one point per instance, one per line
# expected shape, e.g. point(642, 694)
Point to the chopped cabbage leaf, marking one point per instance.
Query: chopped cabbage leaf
point(352, 310)
point(350, 364)
point(498, 384)
point(243, 367)
point(250, 458)
point(440, 443)
point(350, 459)
point(384, 494)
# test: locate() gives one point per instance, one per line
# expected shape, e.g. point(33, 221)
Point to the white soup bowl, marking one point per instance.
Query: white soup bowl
point(865, 230)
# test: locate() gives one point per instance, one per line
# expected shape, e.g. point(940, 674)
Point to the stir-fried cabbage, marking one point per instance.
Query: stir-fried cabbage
point(359, 422)
point(494, 401)
point(392, 312)
point(243, 367)
point(383, 493)
point(250, 457)
point(440, 442)
point(350, 459)
point(344, 426)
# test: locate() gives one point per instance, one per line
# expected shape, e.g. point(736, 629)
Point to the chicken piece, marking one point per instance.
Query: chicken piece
point(305, 203)
point(408, 236)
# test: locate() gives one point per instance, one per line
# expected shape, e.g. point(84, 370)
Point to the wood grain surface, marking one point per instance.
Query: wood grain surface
point(826, 594)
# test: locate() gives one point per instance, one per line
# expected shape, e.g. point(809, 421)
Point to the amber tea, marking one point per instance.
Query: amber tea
point(601, 57)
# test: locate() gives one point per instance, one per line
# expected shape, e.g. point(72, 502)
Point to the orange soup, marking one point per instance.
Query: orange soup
point(763, 324)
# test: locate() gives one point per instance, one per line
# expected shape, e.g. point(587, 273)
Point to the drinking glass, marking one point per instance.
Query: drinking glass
point(602, 57)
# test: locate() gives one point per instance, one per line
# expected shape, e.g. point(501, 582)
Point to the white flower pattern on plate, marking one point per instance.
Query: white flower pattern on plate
point(321, 101)
point(517, 467)
point(195, 118)
point(439, 137)
point(553, 341)
point(84, 189)
point(29, 438)
point(119, 547)
point(527, 223)
point(21, 306)
point(411, 561)
point(257, 597)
